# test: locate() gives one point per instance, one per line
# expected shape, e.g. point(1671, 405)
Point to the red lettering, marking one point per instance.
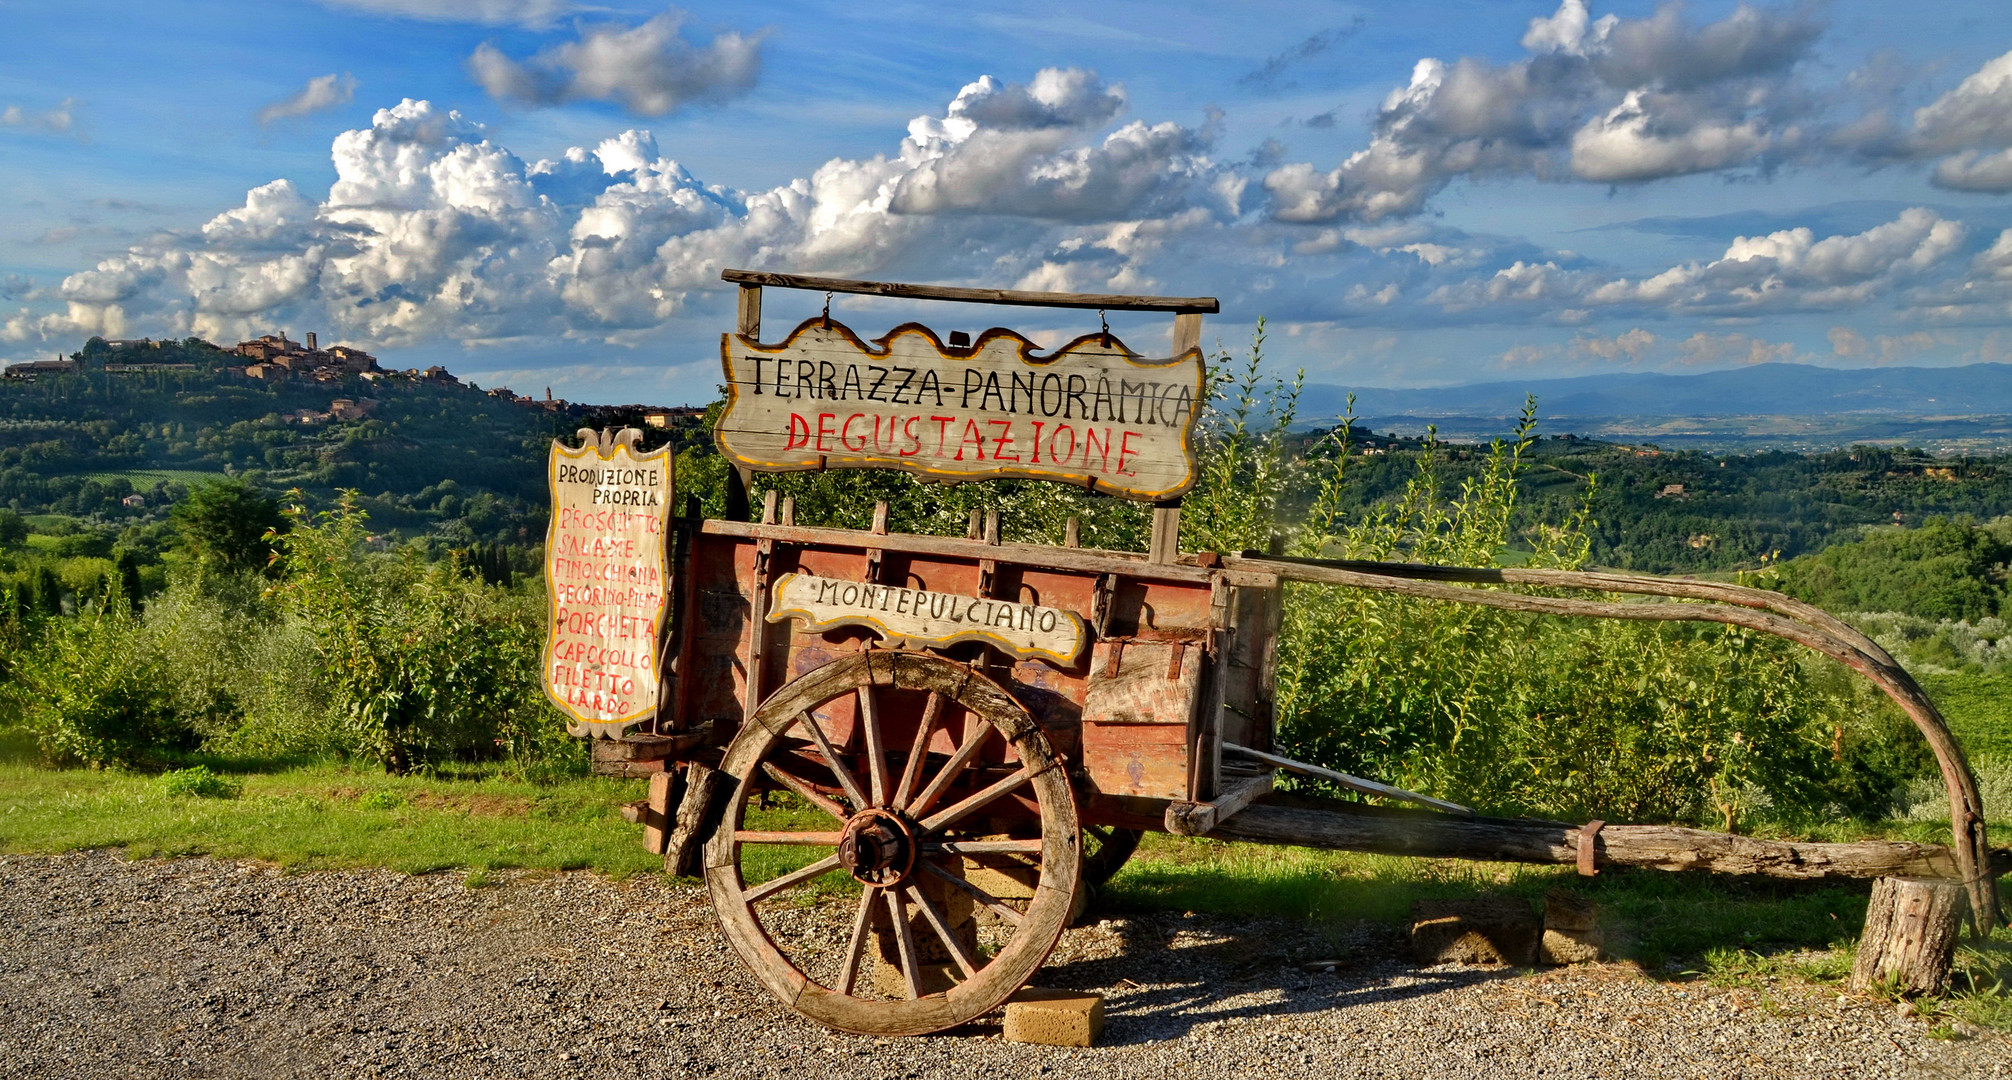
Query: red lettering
point(1037, 442)
point(1001, 440)
point(942, 431)
point(797, 427)
point(1125, 450)
point(1091, 446)
point(824, 431)
point(971, 435)
point(845, 432)
point(1063, 457)
point(914, 440)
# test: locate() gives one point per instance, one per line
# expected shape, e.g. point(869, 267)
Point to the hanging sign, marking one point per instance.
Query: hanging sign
point(921, 617)
point(606, 579)
point(1093, 413)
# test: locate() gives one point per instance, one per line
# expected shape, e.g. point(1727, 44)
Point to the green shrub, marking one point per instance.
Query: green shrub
point(199, 782)
point(95, 689)
point(421, 662)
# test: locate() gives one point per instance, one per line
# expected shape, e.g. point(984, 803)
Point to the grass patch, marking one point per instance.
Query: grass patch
point(328, 816)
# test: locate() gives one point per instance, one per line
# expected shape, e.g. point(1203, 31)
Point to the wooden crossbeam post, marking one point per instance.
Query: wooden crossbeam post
point(1166, 543)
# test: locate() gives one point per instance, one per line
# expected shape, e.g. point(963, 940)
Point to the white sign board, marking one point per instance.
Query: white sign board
point(1092, 414)
point(930, 618)
point(607, 582)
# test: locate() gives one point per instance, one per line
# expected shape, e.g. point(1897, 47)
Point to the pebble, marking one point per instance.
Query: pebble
point(199, 968)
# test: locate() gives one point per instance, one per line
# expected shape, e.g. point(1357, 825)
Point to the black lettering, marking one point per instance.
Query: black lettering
point(1077, 386)
point(825, 370)
point(907, 376)
point(757, 382)
point(929, 383)
point(974, 381)
point(873, 392)
point(851, 387)
point(806, 373)
point(992, 393)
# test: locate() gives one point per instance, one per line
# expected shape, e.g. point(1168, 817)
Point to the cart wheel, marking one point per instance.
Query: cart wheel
point(890, 835)
point(1106, 849)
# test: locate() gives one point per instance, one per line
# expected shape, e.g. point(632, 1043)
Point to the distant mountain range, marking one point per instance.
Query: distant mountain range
point(1763, 389)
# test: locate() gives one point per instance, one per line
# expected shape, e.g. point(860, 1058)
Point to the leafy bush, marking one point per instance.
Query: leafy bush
point(199, 782)
point(1519, 713)
point(421, 662)
point(96, 689)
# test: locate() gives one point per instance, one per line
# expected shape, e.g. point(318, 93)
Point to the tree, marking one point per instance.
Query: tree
point(223, 524)
point(13, 528)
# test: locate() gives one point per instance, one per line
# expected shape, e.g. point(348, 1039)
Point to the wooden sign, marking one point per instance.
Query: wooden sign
point(606, 579)
point(930, 618)
point(1092, 414)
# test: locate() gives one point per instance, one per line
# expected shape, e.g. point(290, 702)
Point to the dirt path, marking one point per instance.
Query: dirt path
point(199, 968)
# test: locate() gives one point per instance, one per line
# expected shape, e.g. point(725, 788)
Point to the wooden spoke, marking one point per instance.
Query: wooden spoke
point(904, 937)
point(912, 773)
point(963, 756)
point(991, 902)
point(802, 787)
point(806, 839)
point(792, 879)
point(943, 819)
point(832, 759)
point(1002, 750)
point(876, 757)
point(849, 967)
point(983, 847)
point(965, 961)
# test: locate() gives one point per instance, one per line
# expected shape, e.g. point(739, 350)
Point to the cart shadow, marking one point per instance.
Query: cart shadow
point(1162, 984)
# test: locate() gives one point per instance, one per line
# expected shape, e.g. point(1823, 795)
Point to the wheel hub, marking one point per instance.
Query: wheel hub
point(877, 847)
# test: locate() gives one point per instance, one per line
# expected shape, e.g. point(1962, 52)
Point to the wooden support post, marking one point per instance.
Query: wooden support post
point(659, 810)
point(1166, 543)
point(747, 323)
point(1910, 936)
point(684, 849)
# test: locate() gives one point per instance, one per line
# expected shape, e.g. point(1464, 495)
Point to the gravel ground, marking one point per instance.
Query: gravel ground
point(201, 968)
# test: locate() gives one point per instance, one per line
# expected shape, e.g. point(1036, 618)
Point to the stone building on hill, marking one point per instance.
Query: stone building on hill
point(295, 358)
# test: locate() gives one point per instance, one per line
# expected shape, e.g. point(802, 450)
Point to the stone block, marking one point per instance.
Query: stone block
point(1484, 931)
point(1054, 1017)
point(1571, 929)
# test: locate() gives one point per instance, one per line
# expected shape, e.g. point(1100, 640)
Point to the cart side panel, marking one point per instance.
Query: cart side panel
point(712, 659)
point(1245, 666)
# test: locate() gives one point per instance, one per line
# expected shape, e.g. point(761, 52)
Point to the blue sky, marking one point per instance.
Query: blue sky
point(539, 193)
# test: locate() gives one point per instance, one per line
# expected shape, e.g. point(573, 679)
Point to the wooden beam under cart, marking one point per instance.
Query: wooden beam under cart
point(1428, 834)
point(1093, 301)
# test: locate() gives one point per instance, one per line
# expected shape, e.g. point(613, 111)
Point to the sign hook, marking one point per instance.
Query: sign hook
point(1104, 335)
point(827, 309)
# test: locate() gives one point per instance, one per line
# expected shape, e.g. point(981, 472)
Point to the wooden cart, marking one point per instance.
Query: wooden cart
point(896, 819)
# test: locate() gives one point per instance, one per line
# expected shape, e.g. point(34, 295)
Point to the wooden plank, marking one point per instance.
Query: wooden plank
point(1086, 560)
point(1020, 298)
point(1142, 691)
point(1091, 414)
point(1148, 761)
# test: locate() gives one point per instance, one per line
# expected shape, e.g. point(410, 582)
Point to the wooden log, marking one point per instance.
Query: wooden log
point(1092, 301)
point(1910, 936)
point(1656, 847)
point(1198, 818)
point(684, 849)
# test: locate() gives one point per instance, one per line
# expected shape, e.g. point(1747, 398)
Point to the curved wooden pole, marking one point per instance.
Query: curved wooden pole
point(1735, 605)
